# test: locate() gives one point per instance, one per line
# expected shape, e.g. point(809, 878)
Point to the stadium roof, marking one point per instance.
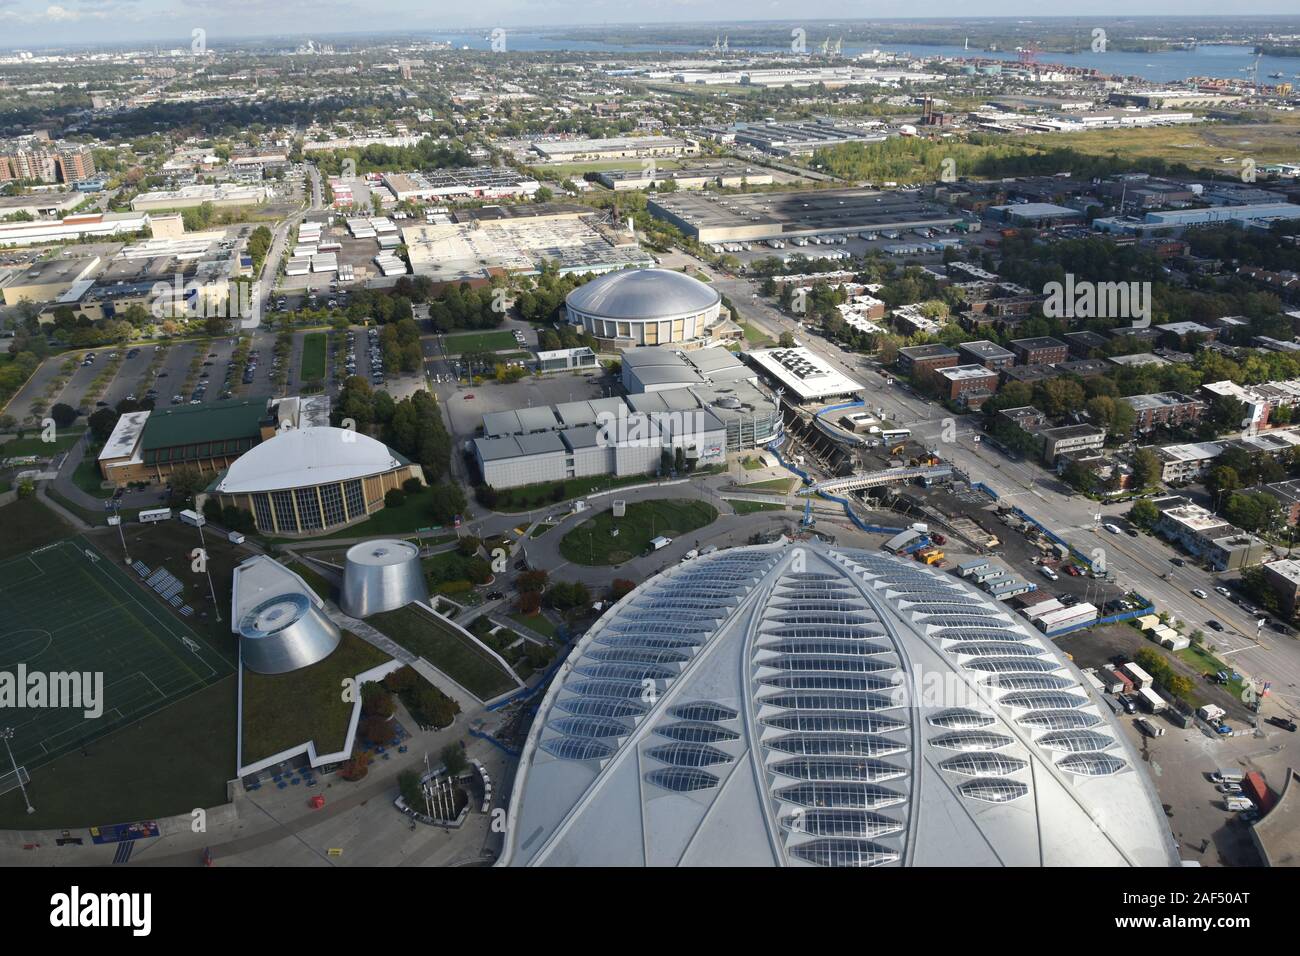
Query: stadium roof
point(797, 704)
point(643, 294)
point(302, 457)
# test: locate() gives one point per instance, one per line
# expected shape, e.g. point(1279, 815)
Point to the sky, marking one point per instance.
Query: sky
point(38, 22)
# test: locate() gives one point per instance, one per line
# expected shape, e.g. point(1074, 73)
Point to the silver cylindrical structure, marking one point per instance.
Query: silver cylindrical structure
point(285, 632)
point(380, 576)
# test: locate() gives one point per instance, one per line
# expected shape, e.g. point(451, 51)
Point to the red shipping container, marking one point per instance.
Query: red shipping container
point(1125, 680)
point(1258, 791)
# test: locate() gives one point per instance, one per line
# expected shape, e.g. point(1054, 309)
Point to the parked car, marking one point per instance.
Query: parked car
point(1233, 788)
point(1285, 723)
point(1127, 702)
point(1214, 625)
point(1224, 591)
point(1197, 592)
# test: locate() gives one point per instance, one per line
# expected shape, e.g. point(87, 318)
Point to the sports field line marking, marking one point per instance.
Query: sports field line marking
point(166, 627)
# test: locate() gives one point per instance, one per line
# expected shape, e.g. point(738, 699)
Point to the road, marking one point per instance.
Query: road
point(265, 288)
point(1143, 564)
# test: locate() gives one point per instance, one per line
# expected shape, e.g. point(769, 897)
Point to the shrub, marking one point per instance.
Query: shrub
point(395, 498)
point(412, 486)
point(356, 767)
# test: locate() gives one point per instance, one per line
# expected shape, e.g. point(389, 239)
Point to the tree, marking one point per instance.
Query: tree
point(408, 784)
point(1180, 686)
point(531, 581)
point(394, 498)
point(102, 423)
point(186, 482)
point(446, 501)
point(1222, 479)
point(1144, 514)
point(376, 701)
point(356, 767)
point(377, 730)
point(453, 758)
point(63, 415)
point(543, 194)
point(1146, 467)
point(620, 588)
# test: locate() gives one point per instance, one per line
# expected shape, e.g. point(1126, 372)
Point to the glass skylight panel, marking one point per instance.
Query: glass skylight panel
point(859, 796)
point(960, 620)
point(646, 641)
point(978, 634)
point(804, 662)
point(576, 748)
point(827, 682)
point(841, 702)
point(835, 723)
point(1013, 665)
point(607, 688)
point(601, 707)
point(981, 763)
point(1059, 719)
point(683, 754)
point(993, 789)
point(843, 823)
point(703, 710)
point(1091, 764)
point(971, 740)
point(1042, 699)
point(1031, 682)
point(637, 655)
point(626, 671)
point(838, 769)
point(830, 745)
point(682, 779)
point(589, 727)
point(1075, 741)
point(1005, 649)
point(696, 733)
point(844, 853)
point(961, 718)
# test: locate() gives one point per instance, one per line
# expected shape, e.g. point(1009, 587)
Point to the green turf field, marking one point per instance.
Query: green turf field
point(313, 356)
point(68, 612)
point(480, 342)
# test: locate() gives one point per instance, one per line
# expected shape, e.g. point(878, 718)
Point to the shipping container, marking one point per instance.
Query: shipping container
point(1140, 677)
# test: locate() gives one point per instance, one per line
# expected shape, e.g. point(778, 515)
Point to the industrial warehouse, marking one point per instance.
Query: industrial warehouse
point(760, 216)
point(764, 743)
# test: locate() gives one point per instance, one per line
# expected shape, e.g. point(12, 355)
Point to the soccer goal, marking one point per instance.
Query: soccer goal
point(12, 780)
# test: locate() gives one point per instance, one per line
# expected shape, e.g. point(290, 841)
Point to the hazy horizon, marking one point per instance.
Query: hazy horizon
point(115, 22)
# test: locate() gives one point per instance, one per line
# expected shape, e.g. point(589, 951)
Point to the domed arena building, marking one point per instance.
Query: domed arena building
point(634, 307)
point(807, 705)
point(307, 481)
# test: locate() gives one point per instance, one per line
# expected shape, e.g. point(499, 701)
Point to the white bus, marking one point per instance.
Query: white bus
point(153, 515)
point(895, 434)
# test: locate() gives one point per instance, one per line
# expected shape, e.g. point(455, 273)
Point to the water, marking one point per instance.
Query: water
point(1223, 61)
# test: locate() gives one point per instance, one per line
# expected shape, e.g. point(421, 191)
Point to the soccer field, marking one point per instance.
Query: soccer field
point(492, 341)
point(67, 608)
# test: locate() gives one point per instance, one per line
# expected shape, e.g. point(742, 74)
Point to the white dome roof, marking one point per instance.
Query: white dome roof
point(302, 457)
point(643, 294)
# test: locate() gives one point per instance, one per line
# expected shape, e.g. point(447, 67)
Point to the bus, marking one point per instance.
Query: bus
point(153, 515)
point(891, 435)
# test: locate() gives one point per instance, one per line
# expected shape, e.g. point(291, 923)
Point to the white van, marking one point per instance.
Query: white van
point(235, 537)
point(1223, 775)
point(1237, 804)
point(690, 555)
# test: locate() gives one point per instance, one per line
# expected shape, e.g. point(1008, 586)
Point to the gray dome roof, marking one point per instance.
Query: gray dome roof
point(643, 294)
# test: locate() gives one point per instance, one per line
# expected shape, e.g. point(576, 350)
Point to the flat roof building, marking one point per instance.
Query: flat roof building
point(804, 374)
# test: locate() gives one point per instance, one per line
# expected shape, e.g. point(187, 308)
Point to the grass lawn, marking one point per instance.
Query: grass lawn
point(285, 710)
point(88, 479)
point(540, 530)
point(446, 648)
point(170, 762)
point(592, 542)
point(754, 337)
point(1203, 661)
point(783, 485)
point(540, 495)
point(751, 463)
point(29, 524)
point(64, 439)
point(492, 341)
point(313, 356)
point(749, 507)
point(537, 623)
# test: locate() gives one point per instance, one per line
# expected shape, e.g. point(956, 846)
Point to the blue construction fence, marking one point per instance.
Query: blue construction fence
point(506, 748)
point(842, 502)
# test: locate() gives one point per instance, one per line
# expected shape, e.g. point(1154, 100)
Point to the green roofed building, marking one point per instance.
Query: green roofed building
point(149, 446)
